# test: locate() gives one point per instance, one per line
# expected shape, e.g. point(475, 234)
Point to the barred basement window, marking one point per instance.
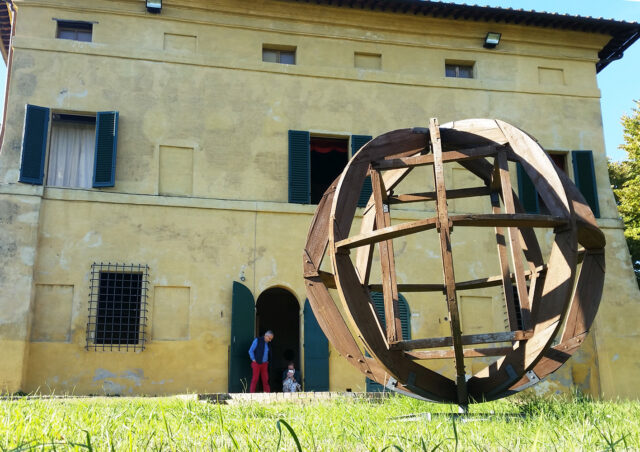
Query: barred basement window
point(118, 307)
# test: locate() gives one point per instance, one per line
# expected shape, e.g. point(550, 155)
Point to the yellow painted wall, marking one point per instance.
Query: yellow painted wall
point(201, 178)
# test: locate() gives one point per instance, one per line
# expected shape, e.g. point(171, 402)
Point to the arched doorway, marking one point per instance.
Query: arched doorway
point(278, 310)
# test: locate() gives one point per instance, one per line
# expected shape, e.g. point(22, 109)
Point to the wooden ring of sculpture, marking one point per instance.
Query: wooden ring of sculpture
point(551, 305)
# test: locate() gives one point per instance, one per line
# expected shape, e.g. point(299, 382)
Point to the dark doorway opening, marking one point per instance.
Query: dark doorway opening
point(278, 310)
point(329, 156)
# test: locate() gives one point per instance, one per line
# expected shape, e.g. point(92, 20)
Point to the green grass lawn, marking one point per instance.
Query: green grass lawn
point(155, 424)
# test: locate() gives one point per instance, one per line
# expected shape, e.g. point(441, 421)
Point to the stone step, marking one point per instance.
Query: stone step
point(296, 397)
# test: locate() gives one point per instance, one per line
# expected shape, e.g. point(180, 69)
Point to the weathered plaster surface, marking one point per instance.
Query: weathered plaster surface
point(232, 112)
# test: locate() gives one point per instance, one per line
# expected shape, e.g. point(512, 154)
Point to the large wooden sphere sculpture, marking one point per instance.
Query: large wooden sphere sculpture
point(556, 300)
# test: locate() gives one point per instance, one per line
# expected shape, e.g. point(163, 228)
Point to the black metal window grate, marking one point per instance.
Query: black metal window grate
point(118, 307)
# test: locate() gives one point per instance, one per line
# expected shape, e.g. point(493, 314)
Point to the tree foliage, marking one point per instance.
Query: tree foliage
point(625, 180)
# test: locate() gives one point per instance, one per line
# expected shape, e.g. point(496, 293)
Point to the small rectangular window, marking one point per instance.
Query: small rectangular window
point(277, 54)
point(71, 151)
point(74, 30)
point(459, 69)
point(117, 307)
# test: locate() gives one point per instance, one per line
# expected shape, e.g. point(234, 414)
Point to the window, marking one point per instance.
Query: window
point(74, 30)
point(583, 176)
point(329, 156)
point(405, 321)
point(117, 307)
point(560, 159)
point(82, 149)
point(315, 162)
point(282, 55)
point(71, 151)
point(459, 70)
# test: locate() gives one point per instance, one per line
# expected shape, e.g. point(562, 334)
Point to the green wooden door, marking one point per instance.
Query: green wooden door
point(405, 320)
point(243, 317)
point(316, 353)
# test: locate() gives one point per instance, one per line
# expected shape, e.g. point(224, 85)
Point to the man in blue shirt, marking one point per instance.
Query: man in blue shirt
point(260, 352)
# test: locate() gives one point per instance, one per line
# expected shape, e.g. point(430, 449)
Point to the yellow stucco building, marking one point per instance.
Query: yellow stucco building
point(159, 168)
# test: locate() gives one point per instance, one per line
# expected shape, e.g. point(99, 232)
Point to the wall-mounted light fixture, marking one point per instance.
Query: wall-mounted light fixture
point(491, 40)
point(154, 6)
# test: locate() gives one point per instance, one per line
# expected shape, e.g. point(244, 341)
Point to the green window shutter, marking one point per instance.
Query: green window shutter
point(585, 178)
point(357, 141)
point(243, 317)
point(316, 353)
point(299, 167)
point(34, 145)
point(405, 320)
point(527, 192)
point(104, 165)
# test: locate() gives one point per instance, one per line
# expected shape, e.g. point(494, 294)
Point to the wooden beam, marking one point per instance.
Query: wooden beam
point(481, 283)
point(447, 259)
point(408, 288)
point(431, 196)
point(390, 232)
point(514, 238)
point(327, 279)
point(468, 353)
point(387, 261)
point(470, 220)
point(364, 255)
point(503, 257)
point(472, 339)
point(516, 220)
point(428, 159)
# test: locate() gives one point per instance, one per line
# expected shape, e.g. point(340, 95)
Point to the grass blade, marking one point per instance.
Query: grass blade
point(293, 434)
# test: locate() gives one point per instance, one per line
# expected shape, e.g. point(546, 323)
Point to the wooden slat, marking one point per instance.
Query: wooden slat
point(481, 283)
point(472, 339)
point(324, 309)
point(327, 279)
point(447, 260)
point(516, 220)
point(514, 239)
point(468, 353)
point(428, 159)
point(391, 232)
point(364, 255)
point(318, 236)
point(431, 196)
point(387, 262)
point(409, 288)
point(539, 168)
point(506, 279)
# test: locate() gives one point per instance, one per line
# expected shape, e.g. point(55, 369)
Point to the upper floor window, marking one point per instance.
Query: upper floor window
point(80, 149)
point(584, 176)
point(315, 161)
point(278, 54)
point(459, 69)
point(74, 30)
point(71, 151)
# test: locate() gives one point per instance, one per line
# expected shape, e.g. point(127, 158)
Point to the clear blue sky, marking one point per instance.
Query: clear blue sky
point(619, 82)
